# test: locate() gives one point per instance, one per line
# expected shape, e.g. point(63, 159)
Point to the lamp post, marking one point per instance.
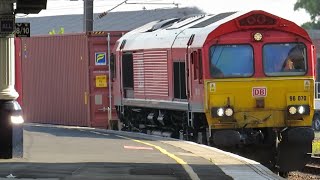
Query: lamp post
point(11, 120)
point(88, 16)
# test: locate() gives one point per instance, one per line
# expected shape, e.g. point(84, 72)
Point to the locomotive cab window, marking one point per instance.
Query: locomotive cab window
point(179, 76)
point(200, 66)
point(127, 65)
point(231, 61)
point(195, 61)
point(285, 59)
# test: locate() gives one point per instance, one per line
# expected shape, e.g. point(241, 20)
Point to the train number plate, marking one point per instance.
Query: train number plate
point(298, 98)
point(259, 91)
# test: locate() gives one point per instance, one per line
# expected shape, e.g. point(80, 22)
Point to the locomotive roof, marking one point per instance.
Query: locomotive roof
point(176, 32)
point(114, 21)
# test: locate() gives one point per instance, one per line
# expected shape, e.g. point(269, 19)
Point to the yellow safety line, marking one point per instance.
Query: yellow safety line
point(184, 164)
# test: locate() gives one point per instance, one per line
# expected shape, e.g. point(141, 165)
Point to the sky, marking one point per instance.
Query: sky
point(282, 8)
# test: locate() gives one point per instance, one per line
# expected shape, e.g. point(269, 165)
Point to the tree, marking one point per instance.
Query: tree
point(61, 30)
point(313, 8)
point(311, 25)
point(53, 31)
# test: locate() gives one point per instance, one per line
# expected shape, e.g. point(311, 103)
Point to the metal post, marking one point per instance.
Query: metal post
point(109, 80)
point(11, 121)
point(88, 16)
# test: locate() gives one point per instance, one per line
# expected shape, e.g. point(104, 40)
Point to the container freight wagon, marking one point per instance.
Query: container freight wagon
point(65, 79)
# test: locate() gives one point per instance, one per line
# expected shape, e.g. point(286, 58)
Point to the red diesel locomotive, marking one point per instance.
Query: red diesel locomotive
point(232, 80)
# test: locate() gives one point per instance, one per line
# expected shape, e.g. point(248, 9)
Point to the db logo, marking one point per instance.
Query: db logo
point(259, 91)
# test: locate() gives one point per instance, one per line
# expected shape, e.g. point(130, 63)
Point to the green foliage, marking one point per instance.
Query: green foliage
point(53, 31)
point(311, 25)
point(61, 30)
point(311, 6)
point(316, 147)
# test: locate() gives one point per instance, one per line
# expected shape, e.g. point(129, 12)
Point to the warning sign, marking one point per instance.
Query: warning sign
point(101, 81)
point(212, 87)
point(307, 85)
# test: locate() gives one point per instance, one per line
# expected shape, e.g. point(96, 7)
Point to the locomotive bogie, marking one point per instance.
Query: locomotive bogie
point(164, 122)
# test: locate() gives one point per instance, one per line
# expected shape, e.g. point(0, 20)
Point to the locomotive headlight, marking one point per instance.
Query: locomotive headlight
point(292, 110)
point(257, 36)
point(228, 112)
point(17, 119)
point(220, 112)
point(301, 110)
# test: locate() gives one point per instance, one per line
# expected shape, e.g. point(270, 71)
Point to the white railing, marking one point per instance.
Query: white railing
point(317, 95)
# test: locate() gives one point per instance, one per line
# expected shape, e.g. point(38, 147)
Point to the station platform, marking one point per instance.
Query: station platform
point(64, 152)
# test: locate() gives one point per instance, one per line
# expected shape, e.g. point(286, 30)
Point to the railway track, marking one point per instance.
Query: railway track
point(313, 167)
point(315, 160)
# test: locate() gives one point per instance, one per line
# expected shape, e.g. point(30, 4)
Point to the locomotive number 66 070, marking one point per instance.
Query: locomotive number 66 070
point(298, 98)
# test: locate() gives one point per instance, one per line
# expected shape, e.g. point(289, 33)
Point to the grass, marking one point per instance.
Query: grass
point(316, 147)
point(316, 144)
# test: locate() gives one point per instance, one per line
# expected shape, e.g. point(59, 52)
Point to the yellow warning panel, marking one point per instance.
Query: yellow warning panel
point(101, 81)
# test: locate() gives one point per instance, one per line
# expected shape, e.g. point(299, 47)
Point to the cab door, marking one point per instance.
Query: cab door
point(195, 80)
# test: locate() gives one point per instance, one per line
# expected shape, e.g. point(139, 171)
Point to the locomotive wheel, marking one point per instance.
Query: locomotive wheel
point(297, 143)
point(316, 122)
point(284, 174)
point(201, 137)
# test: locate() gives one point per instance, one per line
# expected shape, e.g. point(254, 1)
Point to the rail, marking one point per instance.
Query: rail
point(313, 167)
